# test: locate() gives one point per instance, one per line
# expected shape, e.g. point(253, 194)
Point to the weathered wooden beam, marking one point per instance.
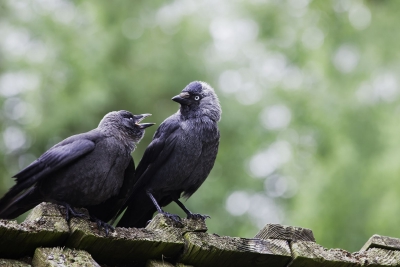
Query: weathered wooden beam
point(163, 223)
point(194, 225)
point(310, 254)
point(378, 257)
point(154, 263)
point(13, 263)
point(203, 249)
point(58, 257)
point(164, 242)
point(290, 233)
point(126, 244)
point(379, 241)
point(157, 263)
point(44, 227)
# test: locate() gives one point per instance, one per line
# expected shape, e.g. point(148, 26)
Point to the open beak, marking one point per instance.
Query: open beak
point(182, 98)
point(141, 117)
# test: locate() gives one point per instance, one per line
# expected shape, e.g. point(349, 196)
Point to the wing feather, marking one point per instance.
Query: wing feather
point(52, 160)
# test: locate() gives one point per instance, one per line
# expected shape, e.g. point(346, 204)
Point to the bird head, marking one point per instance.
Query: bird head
point(199, 99)
point(124, 125)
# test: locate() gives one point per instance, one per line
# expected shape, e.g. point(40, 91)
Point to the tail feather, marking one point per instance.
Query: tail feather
point(14, 204)
point(140, 210)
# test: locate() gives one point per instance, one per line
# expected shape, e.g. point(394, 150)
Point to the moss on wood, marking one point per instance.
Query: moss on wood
point(377, 257)
point(379, 241)
point(290, 233)
point(154, 263)
point(163, 263)
point(124, 244)
point(310, 254)
point(169, 243)
point(13, 263)
point(44, 227)
point(202, 249)
point(58, 257)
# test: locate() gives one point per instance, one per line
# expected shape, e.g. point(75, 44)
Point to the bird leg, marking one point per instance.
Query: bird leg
point(70, 211)
point(189, 214)
point(102, 224)
point(174, 217)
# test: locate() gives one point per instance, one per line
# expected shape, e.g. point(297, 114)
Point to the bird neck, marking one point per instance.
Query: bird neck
point(122, 136)
point(188, 113)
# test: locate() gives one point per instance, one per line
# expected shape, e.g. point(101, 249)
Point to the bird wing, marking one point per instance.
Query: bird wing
point(52, 160)
point(158, 150)
point(156, 154)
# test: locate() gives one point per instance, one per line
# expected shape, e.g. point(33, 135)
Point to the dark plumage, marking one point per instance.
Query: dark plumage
point(84, 170)
point(179, 158)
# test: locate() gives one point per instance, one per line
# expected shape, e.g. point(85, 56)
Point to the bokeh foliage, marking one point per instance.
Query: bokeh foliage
point(309, 91)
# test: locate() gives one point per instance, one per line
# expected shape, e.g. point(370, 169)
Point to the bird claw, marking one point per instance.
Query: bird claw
point(173, 217)
point(104, 225)
point(197, 216)
point(70, 212)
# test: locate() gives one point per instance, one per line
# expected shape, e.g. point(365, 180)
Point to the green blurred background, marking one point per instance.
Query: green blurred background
point(309, 92)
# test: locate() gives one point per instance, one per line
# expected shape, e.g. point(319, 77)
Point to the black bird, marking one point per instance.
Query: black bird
point(179, 158)
point(85, 170)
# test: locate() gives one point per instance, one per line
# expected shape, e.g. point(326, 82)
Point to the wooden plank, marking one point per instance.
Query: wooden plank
point(183, 265)
point(46, 227)
point(379, 241)
point(310, 254)
point(290, 233)
point(154, 263)
point(194, 225)
point(13, 263)
point(378, 257)
point(160, 222)
point(58, 257)
point(126, 244)
point(203, 249)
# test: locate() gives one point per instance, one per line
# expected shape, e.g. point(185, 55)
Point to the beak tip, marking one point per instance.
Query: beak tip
point(146, 125)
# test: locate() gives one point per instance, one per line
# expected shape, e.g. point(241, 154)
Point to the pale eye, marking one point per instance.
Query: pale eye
point(196, 97)
point(130, 118)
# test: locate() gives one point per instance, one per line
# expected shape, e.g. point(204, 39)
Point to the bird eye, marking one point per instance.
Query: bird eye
point(196, 97)
point(131, 118)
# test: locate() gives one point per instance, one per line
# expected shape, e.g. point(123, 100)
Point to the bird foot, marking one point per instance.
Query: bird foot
point(173, 217)
point(100, 224)
point(197, 216)
point(70, 212)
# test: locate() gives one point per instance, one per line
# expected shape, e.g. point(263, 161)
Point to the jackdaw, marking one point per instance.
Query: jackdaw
point(179, 158)
point(85, 170)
